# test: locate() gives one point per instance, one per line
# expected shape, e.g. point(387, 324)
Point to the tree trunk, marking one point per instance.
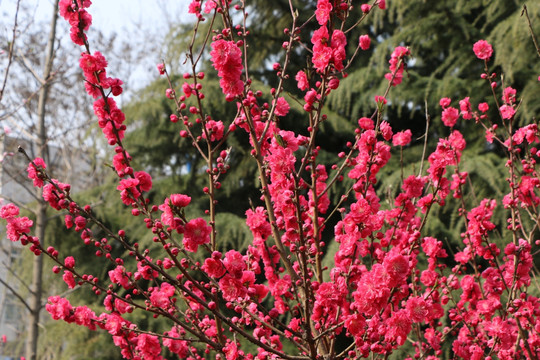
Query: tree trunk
point(41, 215)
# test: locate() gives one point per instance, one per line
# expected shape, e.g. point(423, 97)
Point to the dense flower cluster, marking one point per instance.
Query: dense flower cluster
point(227, 60)
point(397, 65)
point(79, 19)
point(390, 283)
point(17, 227)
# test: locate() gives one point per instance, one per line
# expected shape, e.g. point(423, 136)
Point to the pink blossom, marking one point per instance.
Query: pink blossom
point(9, 211)
point(194, 7)
point(215, 130)
point(509, 96)
point(507, 111)
point(386, 130)
point(66, 9)
point(175, 345)
point(402, 138)
point(84, 316)
point(399, 326)
point(413, 186)
point(209, 6)
point(483, 107)
point(161, 68)
point(417, 309)
point(118, 276)
point(180, 200)
point(397, 268)
point(234, 263)
point(160, 297)
point(145, 180)
point(445, 102)
point(527, 133)
point(69, 279)
point(69, 262)
point(232, 289)
point(282, 107)
point(197, 232)
point(355, 324)
point(81, 21)
point(364, 41)
point(77, 36)
point(121, 161)
point(169, 218)
point(116, 87)
point(433, 248)
point(450, 116)
point(231, 351)
point(129, 191)
point(227, 60)
point(91, 64)
point(482, 49)
point(380, 99)
point(324, 8)
point(149, 346)
point(186, 88)
point(397, 58)
point(372, 292)
point(333, 83)
point(302, 80)
point(17, 227)
point(429, 277)
point(465, 107)
point(258, 223)
point(58, 307)
point(34, 169)
point(214, 267)
point(145, 271)
point(322, 55)
point(338, 43)
point(80, 223)
point(366, 123)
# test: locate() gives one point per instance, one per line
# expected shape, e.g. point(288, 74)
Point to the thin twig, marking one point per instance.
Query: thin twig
point(428, 118)
point(10, 52)
point(524, 11)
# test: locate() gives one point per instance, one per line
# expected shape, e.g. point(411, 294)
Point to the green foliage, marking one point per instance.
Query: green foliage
point(440, 36)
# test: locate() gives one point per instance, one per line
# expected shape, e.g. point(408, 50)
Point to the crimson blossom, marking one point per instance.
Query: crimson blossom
point(392, 284)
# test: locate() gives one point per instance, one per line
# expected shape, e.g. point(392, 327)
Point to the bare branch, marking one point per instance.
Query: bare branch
point(10, 53)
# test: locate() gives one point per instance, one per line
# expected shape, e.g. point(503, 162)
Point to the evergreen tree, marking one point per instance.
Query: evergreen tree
point(440, 36)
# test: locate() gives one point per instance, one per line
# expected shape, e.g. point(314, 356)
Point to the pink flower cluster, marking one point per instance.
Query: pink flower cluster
point(80, 20)
point(34, 173)
point(18, 227)
point(390, 282)
point(397, 65)
point(227, 60)
point(328, 50)
point(93, 67)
